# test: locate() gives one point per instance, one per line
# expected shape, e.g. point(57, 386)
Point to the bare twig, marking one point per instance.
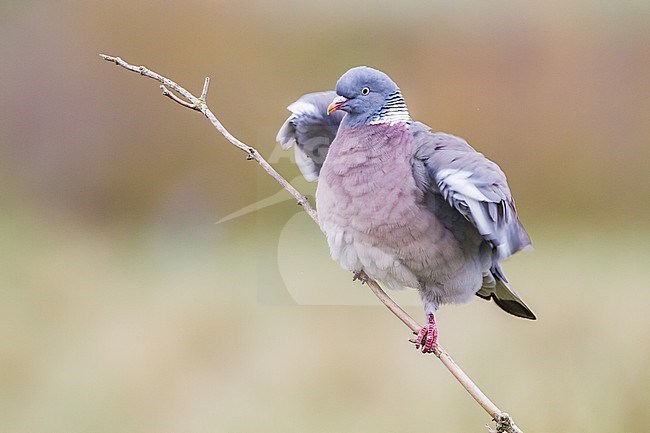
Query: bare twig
point(199, 104)
point(504, 423)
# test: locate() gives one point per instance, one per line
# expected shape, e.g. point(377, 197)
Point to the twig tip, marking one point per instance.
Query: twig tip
point(206, 85)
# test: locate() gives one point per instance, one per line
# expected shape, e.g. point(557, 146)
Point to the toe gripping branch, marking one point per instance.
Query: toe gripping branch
point(427, 338)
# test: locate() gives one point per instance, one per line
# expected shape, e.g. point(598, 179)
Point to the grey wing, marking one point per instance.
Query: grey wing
point(472, 184)
point(447, 166)
point(311, 130)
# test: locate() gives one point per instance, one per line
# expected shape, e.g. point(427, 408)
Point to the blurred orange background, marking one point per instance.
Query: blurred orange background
point(124, 307)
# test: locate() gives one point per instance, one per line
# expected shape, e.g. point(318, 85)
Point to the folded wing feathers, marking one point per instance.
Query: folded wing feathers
point(476, 187)
point(485, 206)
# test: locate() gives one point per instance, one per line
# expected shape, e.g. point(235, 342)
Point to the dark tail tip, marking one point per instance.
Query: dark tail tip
point(515, 308)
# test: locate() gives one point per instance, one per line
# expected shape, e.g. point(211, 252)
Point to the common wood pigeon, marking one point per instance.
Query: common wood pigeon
point(401, 204)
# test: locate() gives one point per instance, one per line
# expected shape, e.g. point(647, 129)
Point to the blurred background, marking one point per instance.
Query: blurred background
point(125, 307)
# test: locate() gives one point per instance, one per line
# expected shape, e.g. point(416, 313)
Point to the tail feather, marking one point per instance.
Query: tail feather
point(510, 302)
point(505, 297)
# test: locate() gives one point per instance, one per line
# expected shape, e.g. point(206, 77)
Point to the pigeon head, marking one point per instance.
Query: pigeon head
point(369, 97)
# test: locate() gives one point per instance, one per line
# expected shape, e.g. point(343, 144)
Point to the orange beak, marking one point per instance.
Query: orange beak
point(336, 104)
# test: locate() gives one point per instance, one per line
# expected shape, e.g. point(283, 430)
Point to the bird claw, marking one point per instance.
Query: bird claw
point(427, 338)
point(361, 276)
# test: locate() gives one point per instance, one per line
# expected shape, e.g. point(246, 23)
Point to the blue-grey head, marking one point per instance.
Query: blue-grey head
point(369, 97)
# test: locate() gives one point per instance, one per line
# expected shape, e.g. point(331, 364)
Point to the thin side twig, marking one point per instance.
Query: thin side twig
point(204, 92)
point(504, 423)
point(173, 97)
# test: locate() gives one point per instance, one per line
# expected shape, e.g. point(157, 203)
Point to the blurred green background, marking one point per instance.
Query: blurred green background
point(125, 308)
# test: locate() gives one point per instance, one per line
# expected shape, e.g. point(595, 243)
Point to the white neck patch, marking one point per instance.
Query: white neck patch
point(393, 111)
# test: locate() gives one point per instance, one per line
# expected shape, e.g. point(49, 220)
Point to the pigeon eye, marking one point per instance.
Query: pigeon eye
point(365, 91)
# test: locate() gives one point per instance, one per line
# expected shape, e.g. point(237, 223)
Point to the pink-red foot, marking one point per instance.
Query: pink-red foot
point(427, 337)
point(361, 276)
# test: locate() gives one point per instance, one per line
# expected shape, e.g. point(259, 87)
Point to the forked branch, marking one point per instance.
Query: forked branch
point(170, 89)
